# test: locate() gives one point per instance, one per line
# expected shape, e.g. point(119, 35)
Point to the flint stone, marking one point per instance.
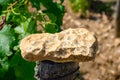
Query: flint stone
point(71, 45)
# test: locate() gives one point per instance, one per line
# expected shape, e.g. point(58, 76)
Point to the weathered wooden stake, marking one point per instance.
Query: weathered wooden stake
point(48, 70)
point(117, 21)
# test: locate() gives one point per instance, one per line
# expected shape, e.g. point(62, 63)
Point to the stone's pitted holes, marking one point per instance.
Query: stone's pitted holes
point(75, 45)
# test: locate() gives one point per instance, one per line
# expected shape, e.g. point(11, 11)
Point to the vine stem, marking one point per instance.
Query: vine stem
point(13, 4)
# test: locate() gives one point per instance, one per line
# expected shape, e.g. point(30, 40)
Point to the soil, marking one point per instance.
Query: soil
point(106, 65)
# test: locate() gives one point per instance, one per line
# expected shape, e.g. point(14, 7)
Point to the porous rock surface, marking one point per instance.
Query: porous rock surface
point(75, 45)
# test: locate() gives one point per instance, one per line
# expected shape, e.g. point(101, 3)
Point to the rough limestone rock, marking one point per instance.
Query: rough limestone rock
point(75, 45)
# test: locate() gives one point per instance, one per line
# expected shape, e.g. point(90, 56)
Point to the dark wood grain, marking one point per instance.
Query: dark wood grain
point(48, 70)
point(117, 22)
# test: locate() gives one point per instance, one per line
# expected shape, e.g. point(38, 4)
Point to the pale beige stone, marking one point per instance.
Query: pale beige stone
point(75, 45)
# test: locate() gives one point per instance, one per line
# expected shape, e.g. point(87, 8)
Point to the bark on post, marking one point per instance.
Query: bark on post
point(117, 21)
point(48, 70)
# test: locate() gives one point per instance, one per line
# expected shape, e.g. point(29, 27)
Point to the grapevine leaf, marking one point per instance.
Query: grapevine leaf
point(62, 1)
point(15, 59)
point(32, 26)
point(55, 8)
point(51, 28)
point(15, 19)
point(52, 17)
point(19, 30)
point(7, 40)
point(79, 6)
point(24, 70)
point(29, 25)
point(36, 4)
point(40, 17)
point(26, 28)
point(4, 2)
point(3, 66)
point(24, 23)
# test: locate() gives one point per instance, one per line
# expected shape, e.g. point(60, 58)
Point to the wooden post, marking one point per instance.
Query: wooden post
point(117, 21)
point(48, 70)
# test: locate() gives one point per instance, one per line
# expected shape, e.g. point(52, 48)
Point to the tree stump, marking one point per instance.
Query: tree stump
point(48, 70)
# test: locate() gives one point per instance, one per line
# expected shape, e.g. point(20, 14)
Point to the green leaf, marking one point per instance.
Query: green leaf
point(19, 30)
point(55, 8)
point(62, 1)
point(29, 25)
point(32, 26)
point(51, 28)
point(26, 28)
point(15, 19)
point(7, 40)
point(4, 66)
point(23, 70)
point(23, 23)
point(18, 15)
point(36, 4)
point(10, 75)
point(40, 17)
point(79, 6)
point(52, 17)
point(15, 59)
point(4, 2)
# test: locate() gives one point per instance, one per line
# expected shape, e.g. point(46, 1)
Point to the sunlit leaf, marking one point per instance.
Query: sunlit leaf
point(51, 28)
point(7, 40)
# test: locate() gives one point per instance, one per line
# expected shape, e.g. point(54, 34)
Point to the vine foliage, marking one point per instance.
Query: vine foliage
point(17, 20)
